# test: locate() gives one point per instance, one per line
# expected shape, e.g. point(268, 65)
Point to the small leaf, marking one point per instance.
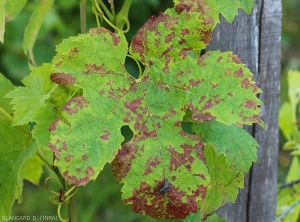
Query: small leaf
point(13, 8)
point(27, 100)
point(33, 170)
point(224, 182)
point(229, 141)
point(294, 88)
point(32, 28)
point(286, 122)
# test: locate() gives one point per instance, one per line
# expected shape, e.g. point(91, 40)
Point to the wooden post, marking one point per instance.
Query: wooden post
point(256, 39)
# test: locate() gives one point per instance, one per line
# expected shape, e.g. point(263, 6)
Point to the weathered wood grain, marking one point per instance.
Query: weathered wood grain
point(256, 39)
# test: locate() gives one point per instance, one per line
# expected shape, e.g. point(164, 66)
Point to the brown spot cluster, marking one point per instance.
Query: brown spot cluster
point(170, 205)
point(89, 172)
point(184, 5)
point(121, 165)
point(250, 104)
point(95, 69)
point(53, 125)
point(75, 104)
point(151, 164)
point(100, 31)
point(171, 112)
point(184, 158)
point(106, 135)
point(73, 52)
point(238, 73)
point(235, 59)
point(62, 78)
point(139, 41)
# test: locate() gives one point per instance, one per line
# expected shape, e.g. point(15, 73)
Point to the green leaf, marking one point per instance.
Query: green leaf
point(27, 100)
point(210, 9)
point(13, 153)
point(229, 141)
point(32, 28)
point(224, 182)
point(13, 8)
point(2, 20)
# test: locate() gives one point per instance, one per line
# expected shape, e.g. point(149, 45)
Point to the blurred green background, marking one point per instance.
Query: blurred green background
point(101, 200)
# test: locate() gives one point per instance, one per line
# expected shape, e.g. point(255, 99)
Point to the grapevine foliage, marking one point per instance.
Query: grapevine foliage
point(166, 172)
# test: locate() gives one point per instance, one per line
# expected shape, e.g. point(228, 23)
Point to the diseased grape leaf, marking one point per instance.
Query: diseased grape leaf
point(27, 100)
point(165, 171)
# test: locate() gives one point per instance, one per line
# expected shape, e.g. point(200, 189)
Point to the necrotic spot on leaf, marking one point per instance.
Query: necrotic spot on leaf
point(75, 104)
point(62, 78)
point(53, 125)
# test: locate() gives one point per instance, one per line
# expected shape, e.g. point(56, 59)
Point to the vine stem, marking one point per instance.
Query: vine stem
point(83, 16)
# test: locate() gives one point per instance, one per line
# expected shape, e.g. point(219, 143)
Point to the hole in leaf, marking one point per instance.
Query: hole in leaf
point(126, 133)
point(187, 124)
point(132, 67)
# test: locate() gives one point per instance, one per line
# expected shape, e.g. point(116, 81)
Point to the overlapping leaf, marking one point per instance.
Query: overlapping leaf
point(230, 141)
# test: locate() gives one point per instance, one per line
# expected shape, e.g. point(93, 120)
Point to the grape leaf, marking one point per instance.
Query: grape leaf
point(27, 100)
point(163, 169)
point(13, 153)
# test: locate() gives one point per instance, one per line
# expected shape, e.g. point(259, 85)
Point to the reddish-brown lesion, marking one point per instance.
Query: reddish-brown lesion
point(62, 78)
point(75, 104)
point(151, 164)
point(77, 180)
